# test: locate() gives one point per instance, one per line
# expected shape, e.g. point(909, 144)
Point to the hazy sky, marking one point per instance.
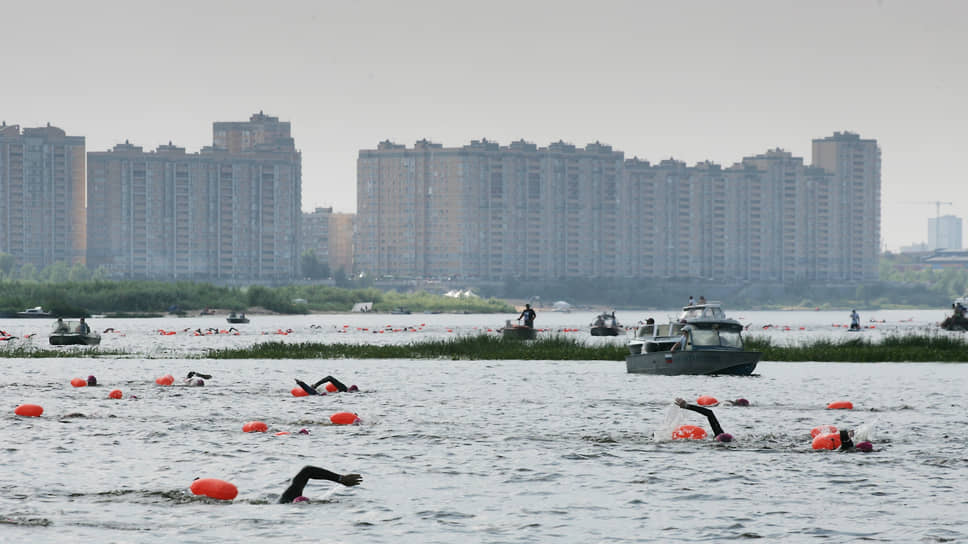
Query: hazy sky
point(691, 80)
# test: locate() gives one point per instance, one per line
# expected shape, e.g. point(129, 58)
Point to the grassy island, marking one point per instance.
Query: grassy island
point(913, 348)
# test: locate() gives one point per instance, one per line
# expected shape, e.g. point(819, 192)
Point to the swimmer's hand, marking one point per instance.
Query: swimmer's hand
point(680, 403)
point(350, 479)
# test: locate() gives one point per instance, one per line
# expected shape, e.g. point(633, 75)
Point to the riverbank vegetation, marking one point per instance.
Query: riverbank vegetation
point(86, 297)
point(914, 348)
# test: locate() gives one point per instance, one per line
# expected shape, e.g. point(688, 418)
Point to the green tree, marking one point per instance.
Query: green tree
point(79, 273)
point(7, 263)
point(311, 267)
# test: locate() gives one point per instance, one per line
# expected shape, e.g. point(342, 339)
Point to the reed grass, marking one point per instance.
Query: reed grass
point(894, 348)
point(479, 347)
point(32, 352)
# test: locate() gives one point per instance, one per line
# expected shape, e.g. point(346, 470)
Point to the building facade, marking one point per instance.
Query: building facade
point(519, 211)
point(230, 212)
point(944, 232)
point(42, 219)
point(341, 256)
point(315, 233)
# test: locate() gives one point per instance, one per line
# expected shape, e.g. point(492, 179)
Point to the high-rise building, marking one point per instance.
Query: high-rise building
point(944, 232)
point(341, 227)
point(216, 215)
point(519, 211)
point(855, 165)
point(42, 195)
point(315, 233)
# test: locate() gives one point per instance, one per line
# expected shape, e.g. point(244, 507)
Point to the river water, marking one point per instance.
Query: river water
point(479, 451)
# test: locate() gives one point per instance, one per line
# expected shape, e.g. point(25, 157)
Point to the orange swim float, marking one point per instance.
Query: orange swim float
point(115, 394)
point(706, 400)
point(344, 418)
point(255, 427)
point(689, 432)
point(299, 392)
point(827, 441)
point(78, 382)
point(330, 387)
point(167, 379)
point(822, 430)
point(841, 405)
point(29, 410)
point(214, 488)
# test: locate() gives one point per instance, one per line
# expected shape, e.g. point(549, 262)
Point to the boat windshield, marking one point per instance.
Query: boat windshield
point(708, 312)
point(716, 337)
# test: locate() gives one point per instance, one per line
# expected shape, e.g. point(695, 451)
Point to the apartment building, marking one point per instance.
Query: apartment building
point(519, 211)
point(230, 212)
point(42, 218)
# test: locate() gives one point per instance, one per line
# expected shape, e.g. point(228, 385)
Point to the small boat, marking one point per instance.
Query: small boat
point(35, 312)
point(232, 318)
point(518, 332)
point(400, 311)
point(606, 325)
point(700, 341)
point(69, 333)
point(958, 320)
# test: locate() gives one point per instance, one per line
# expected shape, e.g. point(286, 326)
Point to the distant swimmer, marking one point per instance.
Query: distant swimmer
point(713, 422)
point(294, 493)
point(196, 379)
point(314, 389)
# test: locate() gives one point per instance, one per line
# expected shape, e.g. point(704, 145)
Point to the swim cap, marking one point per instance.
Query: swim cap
point(741, 402)
point(91, 380)
point(353, 388)
point(724, 437)
point(303, 431)
point(864, 446)
point(301, 498)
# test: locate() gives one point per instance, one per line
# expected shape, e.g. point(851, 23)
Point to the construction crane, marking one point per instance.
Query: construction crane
point(937, 220)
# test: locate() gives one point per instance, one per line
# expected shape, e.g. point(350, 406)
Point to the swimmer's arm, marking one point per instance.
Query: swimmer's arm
point(713, 422)
point(307, 473)
point(339, 385)
point(308, 389)
point(845, 442)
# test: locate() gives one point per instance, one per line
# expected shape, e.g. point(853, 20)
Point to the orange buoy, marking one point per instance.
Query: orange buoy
point(689, 432)
point(78, 382)
point(827, 441)
point(706, 400)
point(282, 433)
point(822, 430)
point(29, 410)
point(115, 394)
point(214, 488)
point(330, 387)
point(841, 405)
point(299, 392)
point(344, 418)
point(255, 427)
point(167, 379)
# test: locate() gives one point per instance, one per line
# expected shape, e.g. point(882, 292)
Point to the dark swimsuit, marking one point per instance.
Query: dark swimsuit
point(312, 389)
point(713, 422)
point(307, 473)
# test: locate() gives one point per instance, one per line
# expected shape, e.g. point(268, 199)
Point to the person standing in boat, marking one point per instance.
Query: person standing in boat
point(83, 327)
point(528, 316)
point(692, 301)
point(854, 320)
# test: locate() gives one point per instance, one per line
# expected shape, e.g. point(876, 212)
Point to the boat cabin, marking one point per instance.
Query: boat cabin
point(710, 310)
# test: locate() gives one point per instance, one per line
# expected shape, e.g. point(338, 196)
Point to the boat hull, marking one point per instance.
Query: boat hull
point(519, 333)
point(71, 339)
point(604, 331)
point(734, 363)
point(237, 319)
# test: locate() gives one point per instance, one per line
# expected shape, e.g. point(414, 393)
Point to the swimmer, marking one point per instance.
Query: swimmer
point(847, 443)
point(313, 389)
point(293, 493)
point(713, 422)
point(196, 379)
